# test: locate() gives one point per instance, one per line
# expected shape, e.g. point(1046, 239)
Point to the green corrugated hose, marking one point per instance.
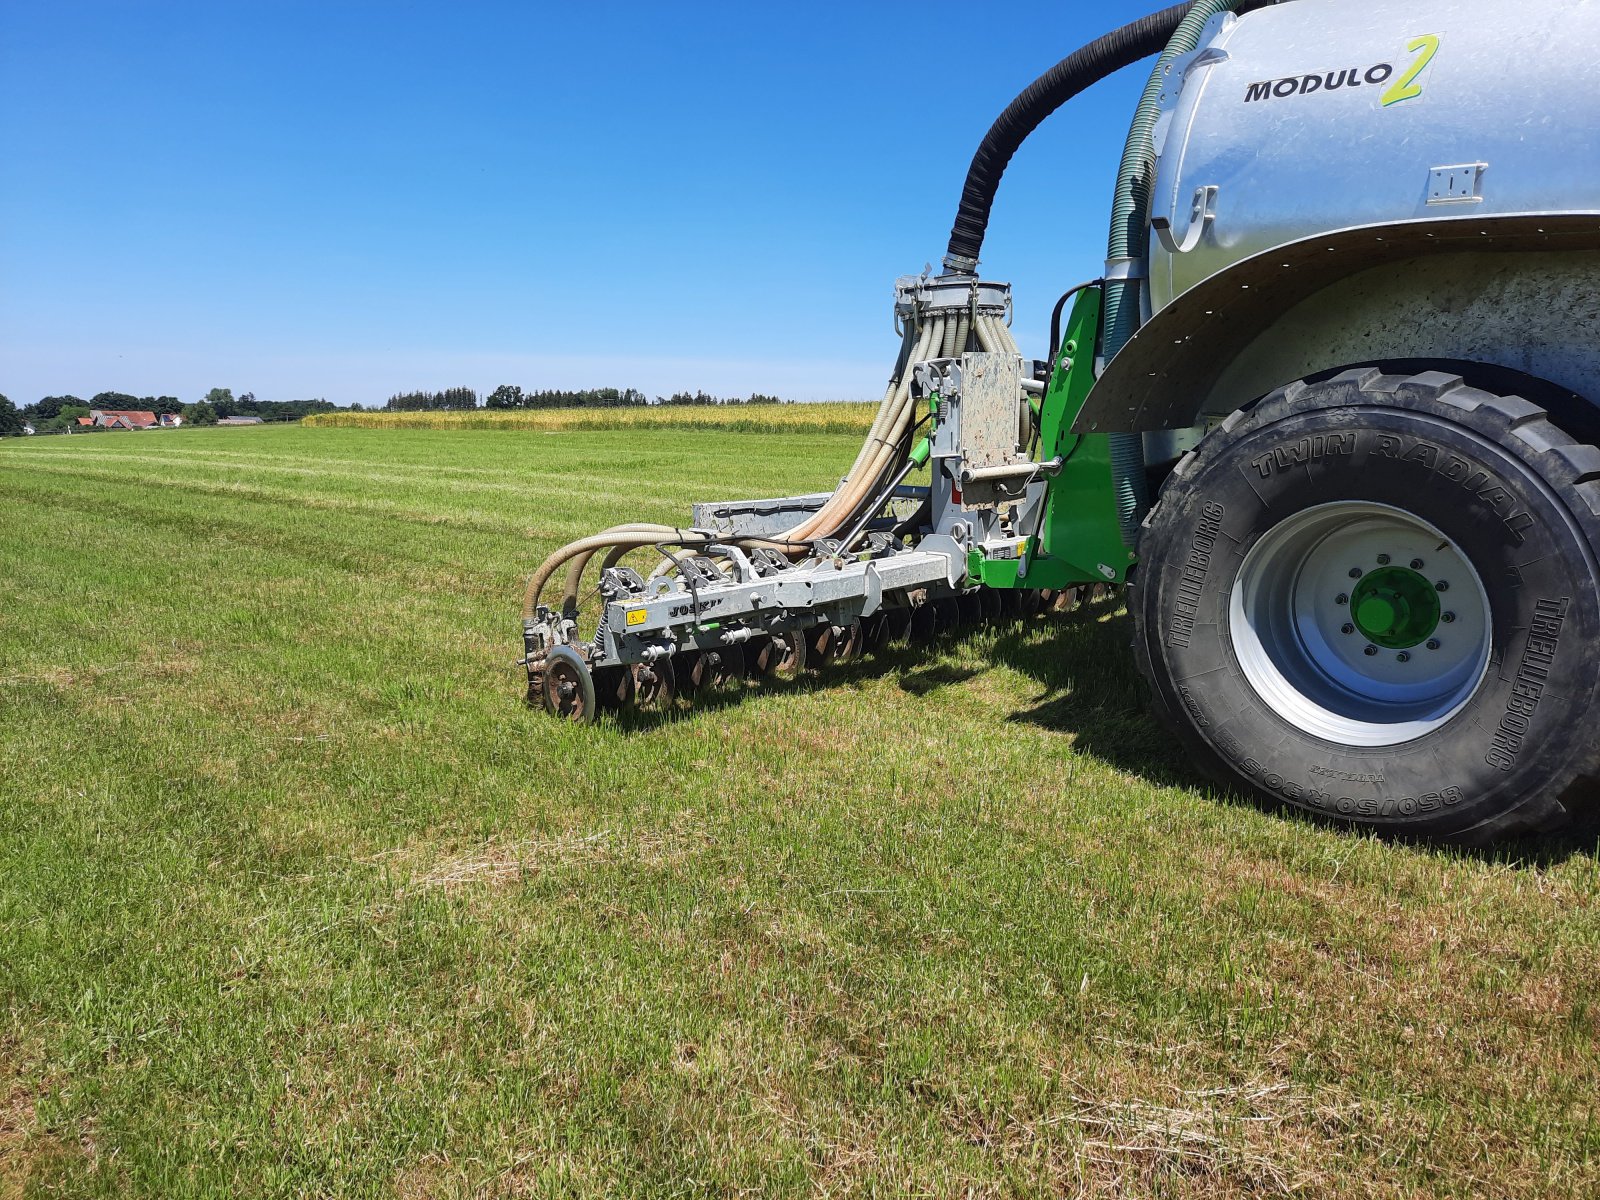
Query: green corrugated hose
point(1130, 212)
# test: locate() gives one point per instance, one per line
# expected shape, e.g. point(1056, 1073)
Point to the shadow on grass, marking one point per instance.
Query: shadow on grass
point(1538, 850)
point(923, 681)
point(1090, 689)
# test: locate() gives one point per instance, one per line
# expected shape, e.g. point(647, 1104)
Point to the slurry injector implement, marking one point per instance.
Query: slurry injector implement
point(1327, 413)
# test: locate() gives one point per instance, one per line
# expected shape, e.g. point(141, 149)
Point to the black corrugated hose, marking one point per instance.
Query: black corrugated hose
point(1074, 73)
point(1083, 67)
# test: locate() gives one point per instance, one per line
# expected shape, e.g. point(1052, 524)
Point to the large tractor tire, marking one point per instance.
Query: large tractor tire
point(1376, 598)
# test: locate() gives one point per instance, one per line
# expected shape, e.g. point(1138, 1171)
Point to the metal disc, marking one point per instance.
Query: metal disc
point(687, 672)
point(613, 687)
point(703, 673)
point(711, 667)
point(780, 655)
point(924, 624)
point(566, 686)
point(848, 640)
point(759, 657)
point(654, 684)
point(1029, 602)
point(820, 645)
point(875, 632)
point(990, 599)
point(897, 622)
point(730, 665)
point(792, 654)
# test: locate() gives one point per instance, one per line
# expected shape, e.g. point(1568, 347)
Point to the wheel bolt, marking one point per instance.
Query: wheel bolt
point(1447, 617)
point(1383, 560)
point(1370, 651)
point(1355, 572)
point(1347, 628)
point(1416, 564)
point(1402, 657)
point(1433, 643)
point(1341, 598)
point(1441, 586)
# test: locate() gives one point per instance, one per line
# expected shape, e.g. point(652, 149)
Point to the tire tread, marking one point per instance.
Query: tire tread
point(1569, 467)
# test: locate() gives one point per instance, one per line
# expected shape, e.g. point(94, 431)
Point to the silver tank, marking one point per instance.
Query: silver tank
point(1319, 115)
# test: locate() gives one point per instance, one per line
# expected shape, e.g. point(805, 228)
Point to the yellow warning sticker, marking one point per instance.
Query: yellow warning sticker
point(636, 616)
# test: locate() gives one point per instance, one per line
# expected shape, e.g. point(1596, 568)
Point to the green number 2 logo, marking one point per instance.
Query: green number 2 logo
point(1407, 87)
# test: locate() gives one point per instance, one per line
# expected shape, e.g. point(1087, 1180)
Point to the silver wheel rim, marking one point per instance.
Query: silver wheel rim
point(1302, 650)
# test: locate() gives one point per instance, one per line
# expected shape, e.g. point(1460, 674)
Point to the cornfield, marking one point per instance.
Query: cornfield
point(847, 417)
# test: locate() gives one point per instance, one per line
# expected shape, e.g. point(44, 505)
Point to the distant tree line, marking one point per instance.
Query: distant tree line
point(459, 397)
point(508, 395)
point(222, 400)
point(703, 398)
point(55, 414)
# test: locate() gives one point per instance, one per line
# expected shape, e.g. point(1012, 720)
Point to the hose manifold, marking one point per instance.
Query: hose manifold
point(930, 295)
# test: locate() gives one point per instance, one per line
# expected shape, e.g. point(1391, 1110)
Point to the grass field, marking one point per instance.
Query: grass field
point(853, 418)
point(297, 898)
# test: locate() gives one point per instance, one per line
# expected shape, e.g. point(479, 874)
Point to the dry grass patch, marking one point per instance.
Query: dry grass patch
point(497, 862)
point(1217, 1141)
point(16, 1126)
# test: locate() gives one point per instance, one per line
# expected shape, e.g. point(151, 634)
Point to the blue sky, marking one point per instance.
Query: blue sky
point(350, 199)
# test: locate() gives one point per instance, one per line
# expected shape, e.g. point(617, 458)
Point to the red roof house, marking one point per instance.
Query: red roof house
point(117, 418)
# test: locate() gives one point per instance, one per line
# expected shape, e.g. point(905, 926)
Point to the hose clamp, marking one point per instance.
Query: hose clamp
point(1120, 269)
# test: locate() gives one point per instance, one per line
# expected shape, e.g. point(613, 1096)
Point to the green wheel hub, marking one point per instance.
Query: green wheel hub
point(1422, 644)
point(1395, 607)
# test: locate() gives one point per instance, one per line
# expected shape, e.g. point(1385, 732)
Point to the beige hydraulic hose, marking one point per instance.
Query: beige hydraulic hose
point(615, 555)
point(951, 328)
point(575, 568)
point(618, 541)
point(986, 337)
point(599, 541)
point(881, 442)
point(1004, 342)
point(888, 445)
point(883, 417)
point(849, 498)
point(898, 392)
